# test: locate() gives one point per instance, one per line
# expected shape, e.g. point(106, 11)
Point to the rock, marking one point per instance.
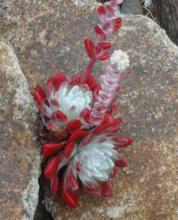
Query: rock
point(51, 35)
point(131, 7)
point(20, 156)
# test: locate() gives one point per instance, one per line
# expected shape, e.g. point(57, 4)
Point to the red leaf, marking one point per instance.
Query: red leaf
point(68, 149)
point(73, 125)
point(60, 116)
point(49, 149)
point(77, 134)
point(105, 55)
point(72, 180)
point(57, 80)
point(113, 109)
point(39, 95)
point(69, 198)
point(75, 80)
point(54, 185)
point(121, 162)
point(86, 140)
point(105, 189)
point(122, 142)
point(51, 168)
point(94, 191)
point(91, 82)
point(52, 125)
point(114, 172)
point(115, 125)
point(99, 30)
point(104, 45)
point(90, 48)
point(106, 122)
point(117, 23)
point(86, 115)
point(101, 10)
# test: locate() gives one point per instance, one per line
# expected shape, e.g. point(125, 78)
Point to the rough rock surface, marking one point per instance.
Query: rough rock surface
point(19, 155)
point(131, 7)
point(48, 37)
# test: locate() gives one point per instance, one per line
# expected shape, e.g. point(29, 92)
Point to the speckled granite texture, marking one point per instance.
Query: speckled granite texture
point(19, 155)
point(47, 37)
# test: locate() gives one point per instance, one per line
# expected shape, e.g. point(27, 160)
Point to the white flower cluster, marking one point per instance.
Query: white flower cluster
point(120, 60)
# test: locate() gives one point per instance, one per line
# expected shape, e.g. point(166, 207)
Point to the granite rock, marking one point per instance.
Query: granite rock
point(131, 7)
point(20, 158)
point(51, 35)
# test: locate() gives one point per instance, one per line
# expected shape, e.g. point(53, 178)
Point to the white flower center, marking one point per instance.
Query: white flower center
point(97, 161)
point(73, 100)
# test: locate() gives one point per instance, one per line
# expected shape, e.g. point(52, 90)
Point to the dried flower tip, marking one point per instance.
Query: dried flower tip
point(120, 60)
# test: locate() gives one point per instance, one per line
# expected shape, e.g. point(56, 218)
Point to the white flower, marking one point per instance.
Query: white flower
point(120, 60)
point(96, 161)
point(72, 100)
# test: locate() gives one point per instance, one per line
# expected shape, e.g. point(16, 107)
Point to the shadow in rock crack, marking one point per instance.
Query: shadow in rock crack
point(41, 213)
